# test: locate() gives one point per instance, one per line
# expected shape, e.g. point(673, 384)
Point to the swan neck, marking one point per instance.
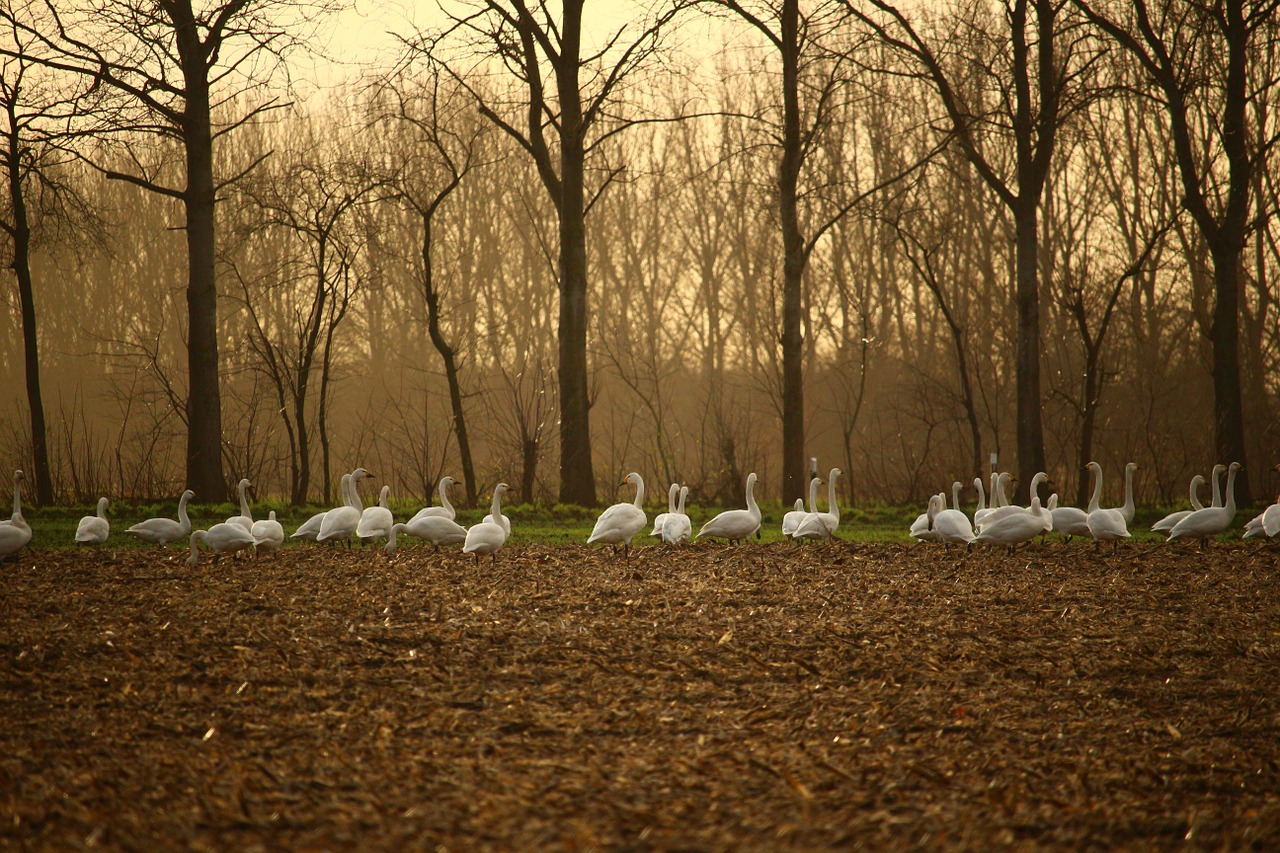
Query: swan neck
point(982, 494)
point(444, 499)
point(1217, 489)
point(1195, 492)
point(1231, 491)
point(183, 518)
point(496, 507)
point(813, 495)
point(1097, 489)
point(102, 508)
point(244, 502)
point(671, 498)
point(639, 502)
point(17, 498)
point(680, 506)
point(832, 507)
point(355, 495)
point(1128, 488)
point(751, 497)
point(955, 495)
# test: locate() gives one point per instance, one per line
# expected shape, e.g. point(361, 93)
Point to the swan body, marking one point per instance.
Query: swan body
point(310, 529)
point(340, 523)
point(661, 518)
point(94, 529)
point(245, 518)
point(224, 538)
point(951, 525)
point(1015, 528)
point(791, 521)
point(618, 524)
point(162, 531)
point(445, 510)
point(1105, 525)
point(376, 521)
point(268, 534)
point(1068, 520)
point(922, 528)
point(1212, 520)
point(488, 536)
point(436, 529)
point(822, 525)
point(16, 534)
point(677, 527)
point(1271, 520)
point(1167, 523)
point(736, 524)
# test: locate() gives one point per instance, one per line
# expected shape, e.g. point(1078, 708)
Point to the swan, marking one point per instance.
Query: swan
point(488, 536)
point(822, 525)
point(94, 529)
point(162, 531)
point(1014, 529)
point(1105, 525)
point(1127, 508)
point(376, 521)
point(952, 525)
point(678, 527)
point(224, 538)
point(922, 528)
point(1211, 520)
point(1006, 508)
point(16, 533)
point(436, 529)
point(792, 519)
point(1166, 524)
point(998, 499)
point(340, 522)
point(736, 524)
point(245, 518)
point(661, 518)
point(1216, 475)
point(1068, 520)
point(268, 534)
point(620, 522)
point(310, 529)
point(981, 509)
point(445, 510)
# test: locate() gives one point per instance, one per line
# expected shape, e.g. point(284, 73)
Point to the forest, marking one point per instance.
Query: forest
point(510, 241)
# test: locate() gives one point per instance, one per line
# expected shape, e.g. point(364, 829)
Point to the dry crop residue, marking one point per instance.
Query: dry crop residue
point(702, 698)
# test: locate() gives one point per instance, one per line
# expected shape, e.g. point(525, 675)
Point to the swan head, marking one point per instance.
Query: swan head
point(244, 484)
point(633, 478)
point(446, 482)
point(187, 495)
point(361, 474)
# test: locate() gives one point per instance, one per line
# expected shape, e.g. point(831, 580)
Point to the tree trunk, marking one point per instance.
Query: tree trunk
point(793, 263)
point(1030, 424)
point(1224, 334)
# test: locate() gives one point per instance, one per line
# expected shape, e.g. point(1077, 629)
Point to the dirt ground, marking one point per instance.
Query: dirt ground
point(700, 698)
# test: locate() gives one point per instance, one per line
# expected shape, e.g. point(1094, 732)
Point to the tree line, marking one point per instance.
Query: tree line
point(897, 238)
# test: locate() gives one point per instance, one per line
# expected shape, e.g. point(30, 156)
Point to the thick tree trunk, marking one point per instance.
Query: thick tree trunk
point(1228, 402)
point(1030, 423)
point(793, 263)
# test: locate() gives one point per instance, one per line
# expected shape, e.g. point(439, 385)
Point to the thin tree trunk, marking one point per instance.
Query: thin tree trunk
point(793, 263)
point(1030, 423)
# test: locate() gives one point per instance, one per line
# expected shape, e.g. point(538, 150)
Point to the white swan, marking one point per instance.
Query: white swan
point(620, 522)
point(375, 521)
point(1212, 520)
point(922, 528)
point(981, 509)
point(224, 538)
point(488, 536)
point(678, 527)
point(952, 525)
point(94, 529)
point(16, 534)
point(268, 534)
point(1127, 508)
point(310, 529)
point(1068, 520)
point(1105, 525)
point(445, 510)
point(1166, 524)
point(736, 524)
point(661, 518)
point(822, 525)
point(162, 531)
point(792, 519)
point(1014, 529)
point(340, 522)
point(1006, 508)
point(436, 529)
point(245, 518)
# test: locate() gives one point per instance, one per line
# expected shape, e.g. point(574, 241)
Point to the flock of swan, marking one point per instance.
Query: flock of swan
point(1001, 523)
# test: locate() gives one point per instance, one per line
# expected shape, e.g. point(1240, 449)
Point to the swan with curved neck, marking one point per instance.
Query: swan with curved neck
point(224, 538)
point(375, 521)
point(736, 524)
point(1013, 529)
point(678, 527)
point(488, 536)
point(952, 526)
point(162, 531)
point(340, 523)
point(245, 518)
point(791, 521)
point(268, 534)
point(445, 510)
point(661, 518)
point(94, 529)
point(618, 524)
point(436, 529)
point(1105, 525)
point(16, 534)
point(1212, 520)
point(822, 525)
point(1166, 524)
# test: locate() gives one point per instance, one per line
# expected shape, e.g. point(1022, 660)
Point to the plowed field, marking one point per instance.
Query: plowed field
point(760, 697)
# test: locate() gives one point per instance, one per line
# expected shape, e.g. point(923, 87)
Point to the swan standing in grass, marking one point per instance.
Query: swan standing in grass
point(488, 536)
point(822, 525)
point(1007, 509)
point(791, 521)
point(1212, 520)
point(162, 531)
point(310, 529)
point(1015, 528)
point(677, 527)
point(661, 518)
point(1165, 525)
point(1105, 525)
point(436, 529)
point(340, 523)
point(445, 510)
point(245, 518)
point(736, 524)
point(922, 528)
point(268, 534)
point(1068, 520)
point(952, 525)
point(375, 521)
point(94, 529)
point(16, 533)
point(620, 522)
point(224, 538)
